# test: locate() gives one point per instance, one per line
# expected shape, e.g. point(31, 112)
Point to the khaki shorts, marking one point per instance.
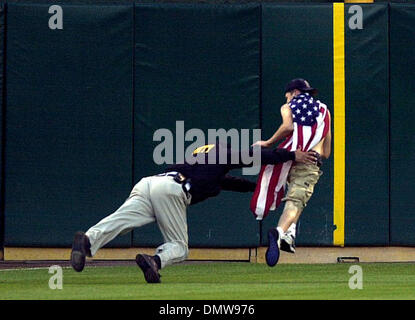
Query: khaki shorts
point(301, 181)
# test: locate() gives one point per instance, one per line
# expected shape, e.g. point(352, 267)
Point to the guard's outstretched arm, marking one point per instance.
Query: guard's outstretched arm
point(231, 183)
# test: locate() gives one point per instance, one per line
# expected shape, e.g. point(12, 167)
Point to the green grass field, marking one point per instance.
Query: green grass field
point(215, 281)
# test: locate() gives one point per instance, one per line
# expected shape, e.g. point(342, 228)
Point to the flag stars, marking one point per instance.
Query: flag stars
point(304, 109)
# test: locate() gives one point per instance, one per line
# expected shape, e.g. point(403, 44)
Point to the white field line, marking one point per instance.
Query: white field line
point(36, 268)
point(41, 268)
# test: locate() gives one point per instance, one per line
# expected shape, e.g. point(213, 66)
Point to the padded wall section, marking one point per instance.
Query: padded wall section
point(198, 64)
point(402, 130)
point(297, 42)
point(2, 110)
point(367, 120)
point(69, 121)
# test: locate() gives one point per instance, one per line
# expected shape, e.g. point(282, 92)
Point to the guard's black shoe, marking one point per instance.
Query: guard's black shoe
point(288, 243)
point(149, 267)
point(81, 247)
point(272, 254)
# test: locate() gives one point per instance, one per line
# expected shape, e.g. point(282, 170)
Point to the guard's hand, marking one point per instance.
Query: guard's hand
point(309, 157)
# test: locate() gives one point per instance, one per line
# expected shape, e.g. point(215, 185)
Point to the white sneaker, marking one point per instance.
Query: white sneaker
point(288, 243)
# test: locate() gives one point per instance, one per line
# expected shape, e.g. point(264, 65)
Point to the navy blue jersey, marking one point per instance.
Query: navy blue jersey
point(207, 179)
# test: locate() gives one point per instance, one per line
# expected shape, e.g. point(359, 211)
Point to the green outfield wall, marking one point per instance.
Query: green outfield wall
point(200, 65)
point(402, 102)
point(81, 102)
point(68, 137)
point(2, 118)
point(367, 135)
point(297, 43)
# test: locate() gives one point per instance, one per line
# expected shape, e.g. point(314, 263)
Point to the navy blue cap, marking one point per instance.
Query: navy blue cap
point(301, 85)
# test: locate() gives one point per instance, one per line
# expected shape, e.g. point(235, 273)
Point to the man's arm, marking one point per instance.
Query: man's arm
point(284, 130)
point(231, 183)
point(327, 141)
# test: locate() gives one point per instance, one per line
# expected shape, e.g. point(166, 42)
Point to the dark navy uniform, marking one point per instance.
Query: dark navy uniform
point(164, 199)
point(207, 180)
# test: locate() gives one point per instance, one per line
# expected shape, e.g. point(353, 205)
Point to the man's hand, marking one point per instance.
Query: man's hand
point(305, 157)
point(264, 144)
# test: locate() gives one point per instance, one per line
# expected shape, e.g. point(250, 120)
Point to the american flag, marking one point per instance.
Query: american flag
point(311, 124)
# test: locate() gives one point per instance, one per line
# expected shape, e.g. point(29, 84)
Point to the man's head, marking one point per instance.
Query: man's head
point(296, 87)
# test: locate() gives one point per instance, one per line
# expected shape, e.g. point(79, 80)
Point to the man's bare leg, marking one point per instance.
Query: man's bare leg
point(290, 215)
point(287, 226)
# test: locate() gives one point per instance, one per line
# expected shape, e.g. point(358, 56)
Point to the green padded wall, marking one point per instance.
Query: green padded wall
point(199, 64)
point(83, 104)
point(367, 120)
point(2, 120)
point(402, 130)
point(69, 121)
point(297, 43)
